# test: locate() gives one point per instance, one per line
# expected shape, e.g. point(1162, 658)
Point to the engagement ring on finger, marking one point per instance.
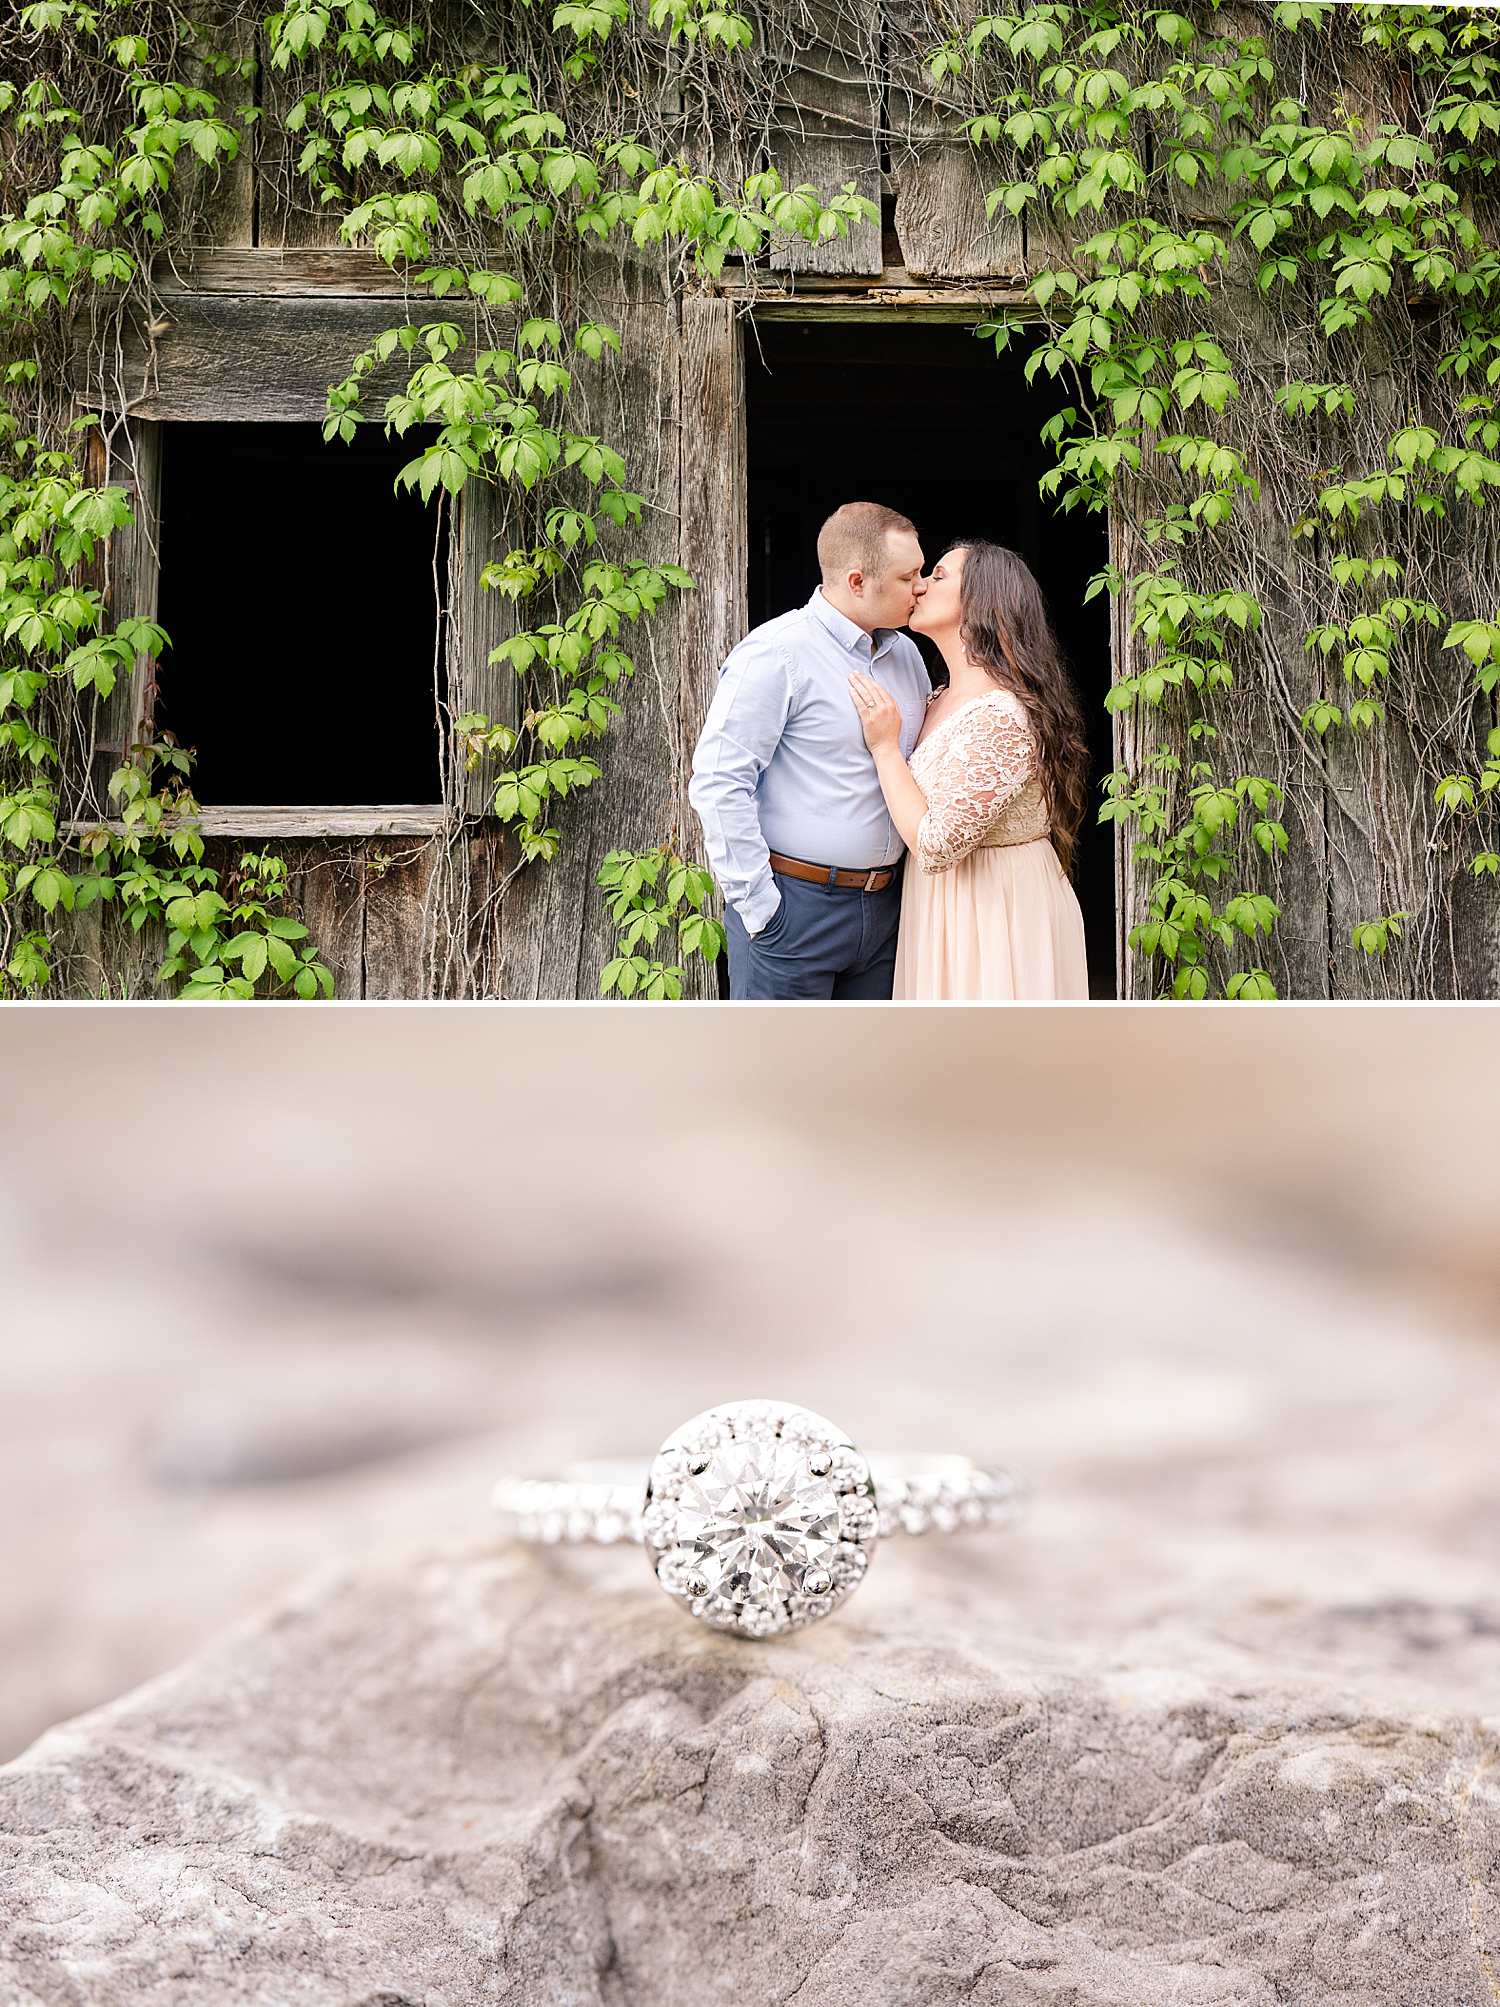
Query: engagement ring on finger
point(760, 1515)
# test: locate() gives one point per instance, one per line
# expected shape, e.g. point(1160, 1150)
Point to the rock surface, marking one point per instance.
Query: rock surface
point(476, 1774)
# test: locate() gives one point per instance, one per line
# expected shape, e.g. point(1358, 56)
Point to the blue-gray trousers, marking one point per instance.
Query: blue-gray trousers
point(822, 941)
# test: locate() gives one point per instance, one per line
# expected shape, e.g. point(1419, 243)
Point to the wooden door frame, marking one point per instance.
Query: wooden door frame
point(713, 543)
point(935, 307)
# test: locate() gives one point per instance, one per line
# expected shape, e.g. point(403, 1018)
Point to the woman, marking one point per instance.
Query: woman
point(997, 787)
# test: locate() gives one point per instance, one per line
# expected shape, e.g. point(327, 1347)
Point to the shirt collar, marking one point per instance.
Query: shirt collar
point(843, 629)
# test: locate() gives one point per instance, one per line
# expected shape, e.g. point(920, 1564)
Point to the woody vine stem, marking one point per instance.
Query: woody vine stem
point(1262, 242)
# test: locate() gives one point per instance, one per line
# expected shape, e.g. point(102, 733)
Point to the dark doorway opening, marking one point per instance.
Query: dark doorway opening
point(298, 592)
point(932, 422)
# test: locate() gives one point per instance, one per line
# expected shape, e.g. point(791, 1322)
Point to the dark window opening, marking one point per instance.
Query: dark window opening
point(297, 589)
point(931, 422)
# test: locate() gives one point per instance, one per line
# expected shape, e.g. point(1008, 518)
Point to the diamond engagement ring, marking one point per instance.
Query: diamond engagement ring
point(760, 1515)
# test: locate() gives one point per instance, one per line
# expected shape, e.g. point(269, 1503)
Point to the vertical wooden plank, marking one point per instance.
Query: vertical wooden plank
point(713, 531)
point(287, 210)
point(1471, 912)
point(1364, 871)
point(1471, 909)
point(481, 620)
point(1262, 734)
point(1392, 850)
point(329, 886)
point(82, 757)
point(1131, 973)
point(461, 948)
point(713, 540)
point(97, 957)
point(397, 887)
point(815, 151)
point(1288, 575)
point(214, 208)
point(465, 956)
point(133, 560)
point(555, 933)
point(940, 180)
point(827, 109)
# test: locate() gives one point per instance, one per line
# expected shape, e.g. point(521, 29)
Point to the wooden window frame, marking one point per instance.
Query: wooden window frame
point(252, 337)
point(135, 590)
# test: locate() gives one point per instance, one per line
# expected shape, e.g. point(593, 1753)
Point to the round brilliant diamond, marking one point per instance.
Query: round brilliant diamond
point(757, 1538)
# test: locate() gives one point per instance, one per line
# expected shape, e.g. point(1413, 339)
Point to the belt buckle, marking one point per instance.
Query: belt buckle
point(870, 881)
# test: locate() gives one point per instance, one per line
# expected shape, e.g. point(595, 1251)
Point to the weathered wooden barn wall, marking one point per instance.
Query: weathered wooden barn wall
point(264, 309)
point(1366, 836)
point(365, 900)
point(257, 335)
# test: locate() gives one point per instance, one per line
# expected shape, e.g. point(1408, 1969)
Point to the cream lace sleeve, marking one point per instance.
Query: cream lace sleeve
point(988, 759)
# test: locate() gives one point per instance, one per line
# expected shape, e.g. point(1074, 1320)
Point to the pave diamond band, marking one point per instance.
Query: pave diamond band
point(545, 1510)
point(758, 1516)
point(941, 1494)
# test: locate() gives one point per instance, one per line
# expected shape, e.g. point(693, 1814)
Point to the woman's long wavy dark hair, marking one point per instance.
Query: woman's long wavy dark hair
point(1004, 626)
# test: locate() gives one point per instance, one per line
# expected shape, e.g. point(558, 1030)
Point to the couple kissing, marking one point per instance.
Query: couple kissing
point(875, 837)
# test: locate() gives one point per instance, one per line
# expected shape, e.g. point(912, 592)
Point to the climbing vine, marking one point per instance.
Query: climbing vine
point(1262, 243)
point(432, 166)
point(1273, 278)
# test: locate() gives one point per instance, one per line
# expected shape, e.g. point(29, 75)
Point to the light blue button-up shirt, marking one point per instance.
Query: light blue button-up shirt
point(782, 764)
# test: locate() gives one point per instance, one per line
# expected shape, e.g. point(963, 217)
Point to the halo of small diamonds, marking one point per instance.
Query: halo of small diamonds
point(760, 1516)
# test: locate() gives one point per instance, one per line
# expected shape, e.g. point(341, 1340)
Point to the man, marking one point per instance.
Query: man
point(798, 833)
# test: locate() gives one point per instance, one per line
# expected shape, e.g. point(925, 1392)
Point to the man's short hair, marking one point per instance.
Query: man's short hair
point(857, 538)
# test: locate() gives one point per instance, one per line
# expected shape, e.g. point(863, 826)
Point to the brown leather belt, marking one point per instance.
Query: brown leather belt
point(828, 874)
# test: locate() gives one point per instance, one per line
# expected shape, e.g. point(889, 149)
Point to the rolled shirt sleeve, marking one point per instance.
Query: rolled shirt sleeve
point(744, 726)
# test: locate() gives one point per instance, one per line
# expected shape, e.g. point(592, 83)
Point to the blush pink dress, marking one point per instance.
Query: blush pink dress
point(986, 910)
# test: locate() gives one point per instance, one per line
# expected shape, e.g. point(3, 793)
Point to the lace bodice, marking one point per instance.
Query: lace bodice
point(978, 771)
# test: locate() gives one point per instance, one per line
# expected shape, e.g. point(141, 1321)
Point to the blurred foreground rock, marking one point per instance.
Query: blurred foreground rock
point(473, 1774)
